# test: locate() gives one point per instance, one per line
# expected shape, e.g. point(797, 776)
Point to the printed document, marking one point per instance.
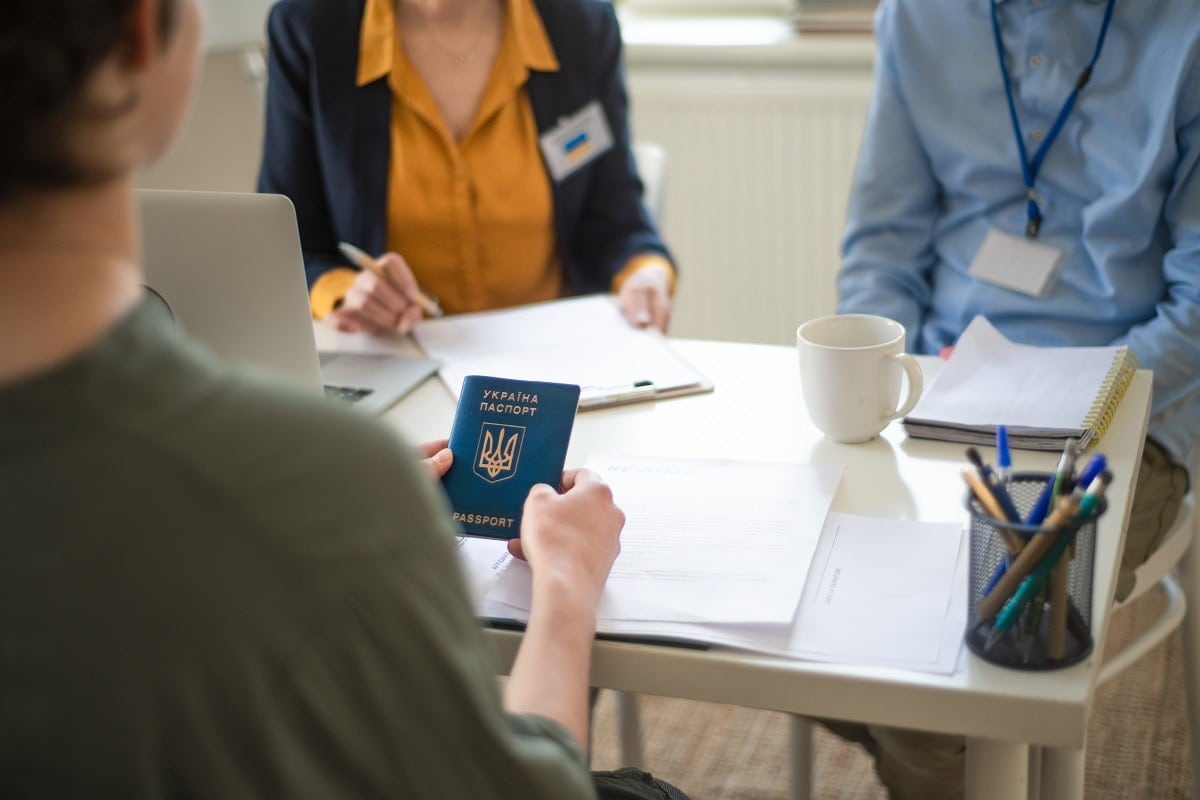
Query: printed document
point(705, 540)
point(581, 340)
point(879, 593)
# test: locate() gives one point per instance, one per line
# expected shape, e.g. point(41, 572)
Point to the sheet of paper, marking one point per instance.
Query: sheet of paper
point(903, 605)
point(705, 540)
point(879, 593)
point(483, 562)
point(583, 340)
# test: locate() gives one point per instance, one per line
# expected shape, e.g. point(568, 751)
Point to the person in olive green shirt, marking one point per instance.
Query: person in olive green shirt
point(193, 603)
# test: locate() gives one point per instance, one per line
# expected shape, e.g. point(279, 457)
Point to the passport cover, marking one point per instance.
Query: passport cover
point(507, 435)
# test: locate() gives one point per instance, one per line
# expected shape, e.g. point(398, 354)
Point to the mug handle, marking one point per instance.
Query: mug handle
point(916, 383)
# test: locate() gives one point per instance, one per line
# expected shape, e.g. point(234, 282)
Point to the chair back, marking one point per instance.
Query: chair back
point(651, 161)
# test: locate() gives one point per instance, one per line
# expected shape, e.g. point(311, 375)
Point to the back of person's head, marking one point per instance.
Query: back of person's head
point(50, 54)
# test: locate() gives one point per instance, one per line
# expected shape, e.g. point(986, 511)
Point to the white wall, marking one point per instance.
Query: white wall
point(219, 146)
point(235, 22)
point(761, 142)
point(761, 135)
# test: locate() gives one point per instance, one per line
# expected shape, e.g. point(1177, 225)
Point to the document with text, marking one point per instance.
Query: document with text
point(705, 540)
point(878, 593)
point(581, 340)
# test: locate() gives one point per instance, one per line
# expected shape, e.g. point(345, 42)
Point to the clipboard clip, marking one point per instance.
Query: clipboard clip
point(594, 396)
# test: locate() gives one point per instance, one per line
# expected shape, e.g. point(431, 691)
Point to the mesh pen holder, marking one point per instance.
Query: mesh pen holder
point(1049, 624)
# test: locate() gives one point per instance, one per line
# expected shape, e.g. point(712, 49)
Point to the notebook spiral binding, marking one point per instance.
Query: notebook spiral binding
point(1113, 388)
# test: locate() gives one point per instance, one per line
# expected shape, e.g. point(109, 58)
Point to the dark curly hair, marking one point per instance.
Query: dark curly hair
point(48, 49)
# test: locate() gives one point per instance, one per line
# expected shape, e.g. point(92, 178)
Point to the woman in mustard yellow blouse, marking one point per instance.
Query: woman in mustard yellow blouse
point(481, 145)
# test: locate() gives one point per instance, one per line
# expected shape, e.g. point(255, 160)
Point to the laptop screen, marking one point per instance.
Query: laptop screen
point(230, 269)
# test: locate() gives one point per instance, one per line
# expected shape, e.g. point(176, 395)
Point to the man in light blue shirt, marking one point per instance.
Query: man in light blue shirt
point(1106, 179)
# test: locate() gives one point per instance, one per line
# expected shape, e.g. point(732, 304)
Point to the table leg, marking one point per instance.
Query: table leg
point(801, 756)
point(997, 770)
point(1035, 773)
point(630, 720)
point(1062, 773)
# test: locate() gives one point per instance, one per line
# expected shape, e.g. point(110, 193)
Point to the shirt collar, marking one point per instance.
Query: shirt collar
point(377, 39)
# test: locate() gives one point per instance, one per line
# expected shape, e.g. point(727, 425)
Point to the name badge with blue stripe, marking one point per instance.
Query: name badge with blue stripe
point(576, 141)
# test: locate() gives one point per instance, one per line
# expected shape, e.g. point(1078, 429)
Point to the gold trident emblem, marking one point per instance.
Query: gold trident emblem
point(499, 451)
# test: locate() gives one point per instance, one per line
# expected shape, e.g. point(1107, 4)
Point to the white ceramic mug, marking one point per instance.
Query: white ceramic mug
point(850, 368)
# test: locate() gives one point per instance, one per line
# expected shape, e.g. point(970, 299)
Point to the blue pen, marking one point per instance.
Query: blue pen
point(1003, 455)
point(1037, 514)
point(1093, 469)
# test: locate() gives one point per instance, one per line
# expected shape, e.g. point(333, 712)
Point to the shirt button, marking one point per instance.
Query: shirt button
point(1038, 135)
point(1034, 62)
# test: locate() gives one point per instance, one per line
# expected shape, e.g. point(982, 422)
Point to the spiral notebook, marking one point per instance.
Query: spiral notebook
point(1043, 395)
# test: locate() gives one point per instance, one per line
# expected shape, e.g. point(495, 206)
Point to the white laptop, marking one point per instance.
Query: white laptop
point(229, 267)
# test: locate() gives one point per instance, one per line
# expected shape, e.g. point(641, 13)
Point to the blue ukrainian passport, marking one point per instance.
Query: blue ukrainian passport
point(507, 435)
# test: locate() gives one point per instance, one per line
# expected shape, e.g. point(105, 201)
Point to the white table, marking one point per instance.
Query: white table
point(757, 412)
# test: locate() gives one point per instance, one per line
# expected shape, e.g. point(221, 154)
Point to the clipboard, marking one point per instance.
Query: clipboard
point(582, 340)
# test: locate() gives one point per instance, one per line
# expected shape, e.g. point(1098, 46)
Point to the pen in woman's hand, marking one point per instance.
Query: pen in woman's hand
point(363, 261)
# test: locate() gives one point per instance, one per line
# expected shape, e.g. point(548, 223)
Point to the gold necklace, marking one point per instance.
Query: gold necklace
point(457, 58)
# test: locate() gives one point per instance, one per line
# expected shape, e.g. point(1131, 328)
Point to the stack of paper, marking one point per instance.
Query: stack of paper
point(1043, 395)
point(744, 555)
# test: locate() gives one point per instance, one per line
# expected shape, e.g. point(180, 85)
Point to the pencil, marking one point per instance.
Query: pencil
point(1012, 540)
point(1056, 635)
point(363, 261)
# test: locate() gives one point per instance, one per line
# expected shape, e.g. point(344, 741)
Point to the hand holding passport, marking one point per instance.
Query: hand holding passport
point(507, 436)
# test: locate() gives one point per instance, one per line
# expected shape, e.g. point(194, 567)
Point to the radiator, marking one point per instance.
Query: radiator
point(757, 180)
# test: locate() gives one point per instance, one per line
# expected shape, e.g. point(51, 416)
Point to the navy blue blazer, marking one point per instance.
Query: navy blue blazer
point(327, 142)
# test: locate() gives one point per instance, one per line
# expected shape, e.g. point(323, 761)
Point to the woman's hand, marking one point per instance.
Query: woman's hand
point(382, 301)
point(645, 298)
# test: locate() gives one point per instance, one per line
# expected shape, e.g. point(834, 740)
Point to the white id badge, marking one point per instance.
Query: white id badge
point(577, 140)
point(1016, 262)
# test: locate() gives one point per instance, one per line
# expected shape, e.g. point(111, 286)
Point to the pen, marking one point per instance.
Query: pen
point(1093, 469)
point(989, 478)
point(1003, 455)
point(1097, 465)
point(1066, 468)
point(363, 261)
point(614, 395)
point(1033, 621)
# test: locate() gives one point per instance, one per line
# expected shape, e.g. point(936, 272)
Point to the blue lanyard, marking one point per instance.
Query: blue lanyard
point(1030, 169)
